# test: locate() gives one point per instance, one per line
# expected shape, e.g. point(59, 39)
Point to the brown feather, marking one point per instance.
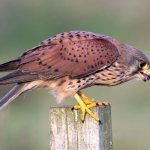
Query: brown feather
point(11, 65)
point(76, 54)
point(17, 77)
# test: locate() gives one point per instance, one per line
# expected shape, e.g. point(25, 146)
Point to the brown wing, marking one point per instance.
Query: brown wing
point(76, 54)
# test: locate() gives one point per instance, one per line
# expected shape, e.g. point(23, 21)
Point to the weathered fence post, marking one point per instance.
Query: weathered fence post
point(67, 132)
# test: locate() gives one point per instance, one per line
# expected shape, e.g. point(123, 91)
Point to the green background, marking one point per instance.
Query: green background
point(23, 24)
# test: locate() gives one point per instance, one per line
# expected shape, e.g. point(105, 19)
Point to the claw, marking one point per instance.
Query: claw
point(85, 104)
point(100, 123)
point(84, 108)
point(102, 103)
point(72, 109)
point(91, 102)
point(82, 121)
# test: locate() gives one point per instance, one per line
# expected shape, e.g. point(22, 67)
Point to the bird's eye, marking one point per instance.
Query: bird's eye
point(142, 65)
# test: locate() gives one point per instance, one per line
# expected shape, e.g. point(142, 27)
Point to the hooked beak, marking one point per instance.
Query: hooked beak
point(145, 74)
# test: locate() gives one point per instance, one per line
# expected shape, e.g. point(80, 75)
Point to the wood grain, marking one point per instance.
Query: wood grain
point(67, 132)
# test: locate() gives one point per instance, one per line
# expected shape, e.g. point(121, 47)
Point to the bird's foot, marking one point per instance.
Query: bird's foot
point(85, 104)
point(91, 102)
point(84, 108)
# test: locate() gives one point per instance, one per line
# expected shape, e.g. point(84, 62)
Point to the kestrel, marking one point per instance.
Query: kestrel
point(72, 61)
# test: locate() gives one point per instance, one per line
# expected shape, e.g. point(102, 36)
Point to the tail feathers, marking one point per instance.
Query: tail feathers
point(14, 93)
point(17, 77)
point(11, 65)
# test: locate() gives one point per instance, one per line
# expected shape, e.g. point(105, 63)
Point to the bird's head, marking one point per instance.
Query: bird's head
point(138, 63)
point(144, 71)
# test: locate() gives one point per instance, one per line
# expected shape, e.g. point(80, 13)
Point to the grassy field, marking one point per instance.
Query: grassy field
point(23, 24)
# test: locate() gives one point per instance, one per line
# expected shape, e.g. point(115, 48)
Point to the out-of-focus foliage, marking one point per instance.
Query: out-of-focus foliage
point(23, 24)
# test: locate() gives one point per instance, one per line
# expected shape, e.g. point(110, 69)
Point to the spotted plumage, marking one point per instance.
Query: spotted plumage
point(71, 61)
point(68, 54)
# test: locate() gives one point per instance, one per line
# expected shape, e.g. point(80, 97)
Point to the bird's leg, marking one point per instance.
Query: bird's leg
point(85, 104)
point(91, 102)
point(84, 108)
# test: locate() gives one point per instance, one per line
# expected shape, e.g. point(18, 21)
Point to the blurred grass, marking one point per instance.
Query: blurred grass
point(23, 24)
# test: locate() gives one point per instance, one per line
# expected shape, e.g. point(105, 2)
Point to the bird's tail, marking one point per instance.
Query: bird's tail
point(14, 93)
point(9, 66)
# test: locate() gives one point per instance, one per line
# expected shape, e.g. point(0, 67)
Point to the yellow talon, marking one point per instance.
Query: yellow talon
point(85, 104)
point(85, 98)
point(88, 106)
point(92, 102)
point(84, 108)
point(76, 107)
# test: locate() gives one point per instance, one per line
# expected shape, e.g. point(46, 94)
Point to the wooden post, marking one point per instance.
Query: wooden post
point(67, 132)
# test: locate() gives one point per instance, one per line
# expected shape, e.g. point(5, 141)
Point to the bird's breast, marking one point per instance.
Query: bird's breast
point(113, 75)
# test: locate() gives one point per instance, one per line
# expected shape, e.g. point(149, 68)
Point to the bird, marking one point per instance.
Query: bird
point(71, 61)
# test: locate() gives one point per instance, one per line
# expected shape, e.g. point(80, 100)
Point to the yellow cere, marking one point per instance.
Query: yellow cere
point(146, 69)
